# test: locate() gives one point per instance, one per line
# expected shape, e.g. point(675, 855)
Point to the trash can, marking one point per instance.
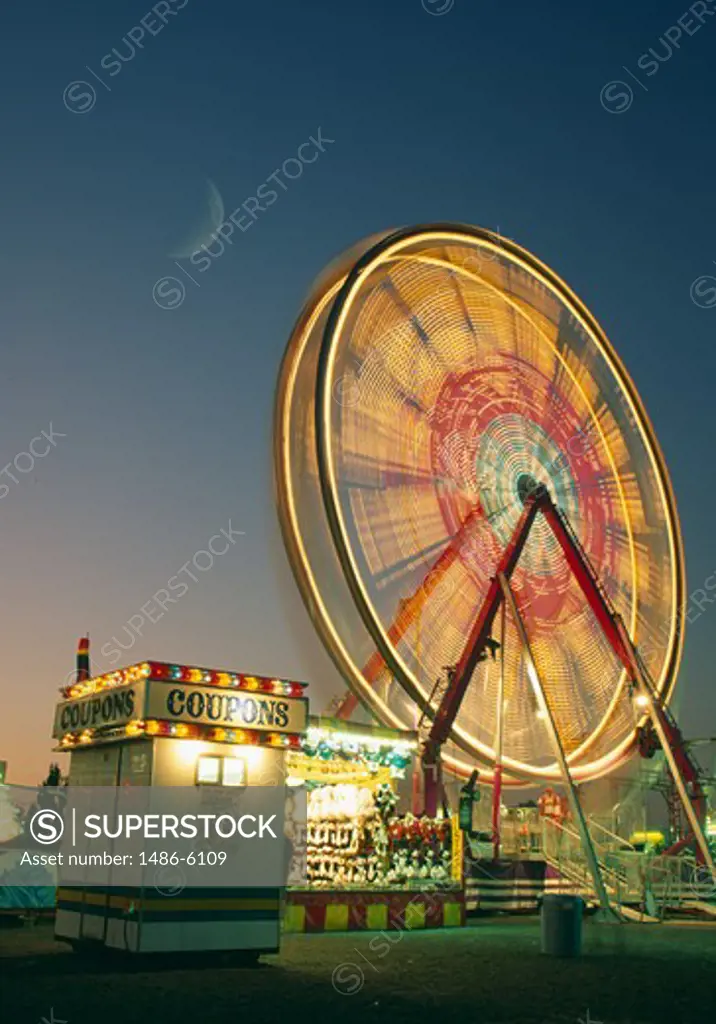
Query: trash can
point(561, 920)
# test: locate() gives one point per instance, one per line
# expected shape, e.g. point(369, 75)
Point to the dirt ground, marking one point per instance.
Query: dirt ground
point(492, 971)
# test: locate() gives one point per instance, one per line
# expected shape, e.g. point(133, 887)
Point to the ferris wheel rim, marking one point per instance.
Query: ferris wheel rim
point(324, 447)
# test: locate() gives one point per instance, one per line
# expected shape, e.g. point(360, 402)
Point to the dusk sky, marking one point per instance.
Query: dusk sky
point(503, 116)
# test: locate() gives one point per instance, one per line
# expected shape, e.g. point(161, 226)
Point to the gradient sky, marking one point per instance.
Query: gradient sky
point(488, 113)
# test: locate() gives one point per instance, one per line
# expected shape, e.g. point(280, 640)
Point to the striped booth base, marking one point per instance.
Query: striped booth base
point(374, 910)
point(512, 885)
point(150, 921)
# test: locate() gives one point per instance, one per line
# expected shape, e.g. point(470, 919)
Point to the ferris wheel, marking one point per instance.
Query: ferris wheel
point(436, 380)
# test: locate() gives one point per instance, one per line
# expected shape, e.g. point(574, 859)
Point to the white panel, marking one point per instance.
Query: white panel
point(122, 934)
point(93, 926)
point(95, 766)
point(67, 924)
point(169, 936)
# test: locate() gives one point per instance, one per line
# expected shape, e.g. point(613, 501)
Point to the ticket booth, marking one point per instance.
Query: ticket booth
point(158, 724)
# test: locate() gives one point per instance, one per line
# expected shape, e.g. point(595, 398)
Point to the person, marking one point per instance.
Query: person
point(554, 808)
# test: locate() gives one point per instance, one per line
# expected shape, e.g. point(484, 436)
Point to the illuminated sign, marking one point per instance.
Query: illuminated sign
point(113, 707)
point(182, 702)
point(208, 705)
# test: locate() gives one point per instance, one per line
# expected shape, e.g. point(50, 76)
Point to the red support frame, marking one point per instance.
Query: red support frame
point(479, 634)
point(612, 625)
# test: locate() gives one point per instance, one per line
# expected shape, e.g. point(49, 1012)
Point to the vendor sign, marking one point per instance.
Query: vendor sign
point(109, 708)
point(208, 705)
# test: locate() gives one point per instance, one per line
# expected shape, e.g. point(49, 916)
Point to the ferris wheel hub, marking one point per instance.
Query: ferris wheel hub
point(528, 487)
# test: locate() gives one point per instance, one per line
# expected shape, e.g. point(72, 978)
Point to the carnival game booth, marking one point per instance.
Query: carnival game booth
point(163, 725)
point(369, 866)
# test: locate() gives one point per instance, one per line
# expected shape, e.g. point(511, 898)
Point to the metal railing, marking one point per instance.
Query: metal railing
point(563, 850)
point(658, 882)
point(606, 838)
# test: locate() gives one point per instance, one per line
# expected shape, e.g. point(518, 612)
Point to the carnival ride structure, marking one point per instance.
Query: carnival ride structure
point(456, 439)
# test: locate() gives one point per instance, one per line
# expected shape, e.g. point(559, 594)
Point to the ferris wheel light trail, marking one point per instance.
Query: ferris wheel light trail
point(440, 369)
point(411, 607)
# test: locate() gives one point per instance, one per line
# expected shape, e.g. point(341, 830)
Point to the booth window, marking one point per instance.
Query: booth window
point(220, 771)
point(234, 771)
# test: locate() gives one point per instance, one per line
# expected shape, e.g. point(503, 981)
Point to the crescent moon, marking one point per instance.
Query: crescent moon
point(206, 228)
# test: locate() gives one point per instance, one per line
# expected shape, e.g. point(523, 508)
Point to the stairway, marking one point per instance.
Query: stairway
point(563, 850)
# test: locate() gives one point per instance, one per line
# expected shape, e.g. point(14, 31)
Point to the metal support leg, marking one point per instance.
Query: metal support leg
point(497, 785)
point(646, 691)
point(544, 707)
point(432, 783)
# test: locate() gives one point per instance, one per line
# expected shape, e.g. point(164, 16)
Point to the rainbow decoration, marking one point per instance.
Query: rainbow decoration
point(183, 731)
point(165, 672)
